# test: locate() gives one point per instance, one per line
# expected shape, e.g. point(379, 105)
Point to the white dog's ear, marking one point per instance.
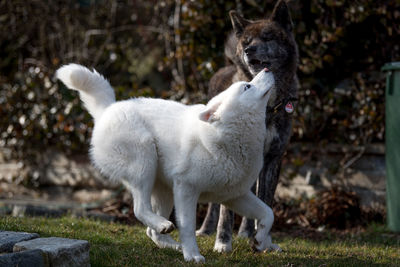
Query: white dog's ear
point(209, 114)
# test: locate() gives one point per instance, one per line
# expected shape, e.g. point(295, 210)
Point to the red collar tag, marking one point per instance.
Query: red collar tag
point(289, 107)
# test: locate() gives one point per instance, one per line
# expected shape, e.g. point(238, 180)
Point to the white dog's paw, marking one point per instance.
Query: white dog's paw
point(274, 247)
point(260, 242)
point(196, 258)
point(264, 244)
point(163, 241)
point(165, 227)
point(256, 246)
point(222, 247)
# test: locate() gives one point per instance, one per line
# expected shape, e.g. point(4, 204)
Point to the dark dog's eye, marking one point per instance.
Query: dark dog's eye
point(247, 40)
point(247, 86)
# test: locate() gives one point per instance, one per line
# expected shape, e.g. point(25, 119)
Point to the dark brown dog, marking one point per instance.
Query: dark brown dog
point(252, 46)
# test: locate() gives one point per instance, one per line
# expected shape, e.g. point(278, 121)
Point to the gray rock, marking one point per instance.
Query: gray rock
point(9, 239)
point(27, 258)
point(60, 251)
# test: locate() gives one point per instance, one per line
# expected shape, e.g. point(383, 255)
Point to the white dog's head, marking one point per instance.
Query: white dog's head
point(240, 98)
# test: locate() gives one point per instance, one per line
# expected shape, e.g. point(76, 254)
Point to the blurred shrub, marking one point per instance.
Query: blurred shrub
point(171, 49)
point(38, 36)
point(343, 45)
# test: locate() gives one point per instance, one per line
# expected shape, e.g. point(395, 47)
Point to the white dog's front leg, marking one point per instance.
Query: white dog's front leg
point(185, 200)
point(252, 207)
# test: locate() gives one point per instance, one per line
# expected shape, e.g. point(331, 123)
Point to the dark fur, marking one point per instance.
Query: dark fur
point(268, 43)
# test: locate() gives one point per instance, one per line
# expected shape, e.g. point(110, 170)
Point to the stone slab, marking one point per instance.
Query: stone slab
point(8, 239)
point(60, 251)
point(28, 258)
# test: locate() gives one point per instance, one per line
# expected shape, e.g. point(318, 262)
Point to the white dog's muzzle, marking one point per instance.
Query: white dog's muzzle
point(264, 81)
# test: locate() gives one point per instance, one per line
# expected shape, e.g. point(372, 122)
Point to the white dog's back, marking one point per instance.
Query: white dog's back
point(131, 124)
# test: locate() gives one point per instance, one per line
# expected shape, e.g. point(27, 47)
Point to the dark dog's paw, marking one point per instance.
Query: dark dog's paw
point(222, 247)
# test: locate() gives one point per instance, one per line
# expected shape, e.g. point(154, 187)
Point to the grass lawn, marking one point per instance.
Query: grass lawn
point(115, 244)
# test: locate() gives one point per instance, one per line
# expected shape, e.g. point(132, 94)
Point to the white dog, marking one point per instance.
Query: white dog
point(169, 154)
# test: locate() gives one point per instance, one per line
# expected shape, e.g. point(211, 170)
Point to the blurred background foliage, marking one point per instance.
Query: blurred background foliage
point(170, 49)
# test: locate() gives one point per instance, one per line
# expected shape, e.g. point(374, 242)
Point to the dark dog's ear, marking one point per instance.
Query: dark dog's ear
point(238, 22)
point(281, 15)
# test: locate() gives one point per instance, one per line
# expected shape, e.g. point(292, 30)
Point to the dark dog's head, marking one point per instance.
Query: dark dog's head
point(265, 43)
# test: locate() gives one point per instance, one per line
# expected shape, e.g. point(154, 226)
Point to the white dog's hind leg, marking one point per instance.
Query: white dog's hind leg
point(141, 178)
point(185, 200)
point(144, 213)
point(162, 202)
point(252, 207)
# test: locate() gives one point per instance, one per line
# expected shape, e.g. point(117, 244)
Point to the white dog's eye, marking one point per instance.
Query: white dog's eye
point(247, 86)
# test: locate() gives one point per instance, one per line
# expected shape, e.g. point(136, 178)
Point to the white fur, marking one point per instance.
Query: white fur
point(167, 153)
point(94, 90)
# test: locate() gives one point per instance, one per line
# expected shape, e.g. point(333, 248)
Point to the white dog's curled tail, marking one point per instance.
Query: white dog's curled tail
point(94, 90)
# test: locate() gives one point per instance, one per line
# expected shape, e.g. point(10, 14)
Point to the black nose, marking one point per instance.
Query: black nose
point(250, 50)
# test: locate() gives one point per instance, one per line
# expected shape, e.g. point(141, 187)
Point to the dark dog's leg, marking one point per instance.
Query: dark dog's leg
point(223, 240)
point(210, 221)
point(246, 228)
point(269, 177)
